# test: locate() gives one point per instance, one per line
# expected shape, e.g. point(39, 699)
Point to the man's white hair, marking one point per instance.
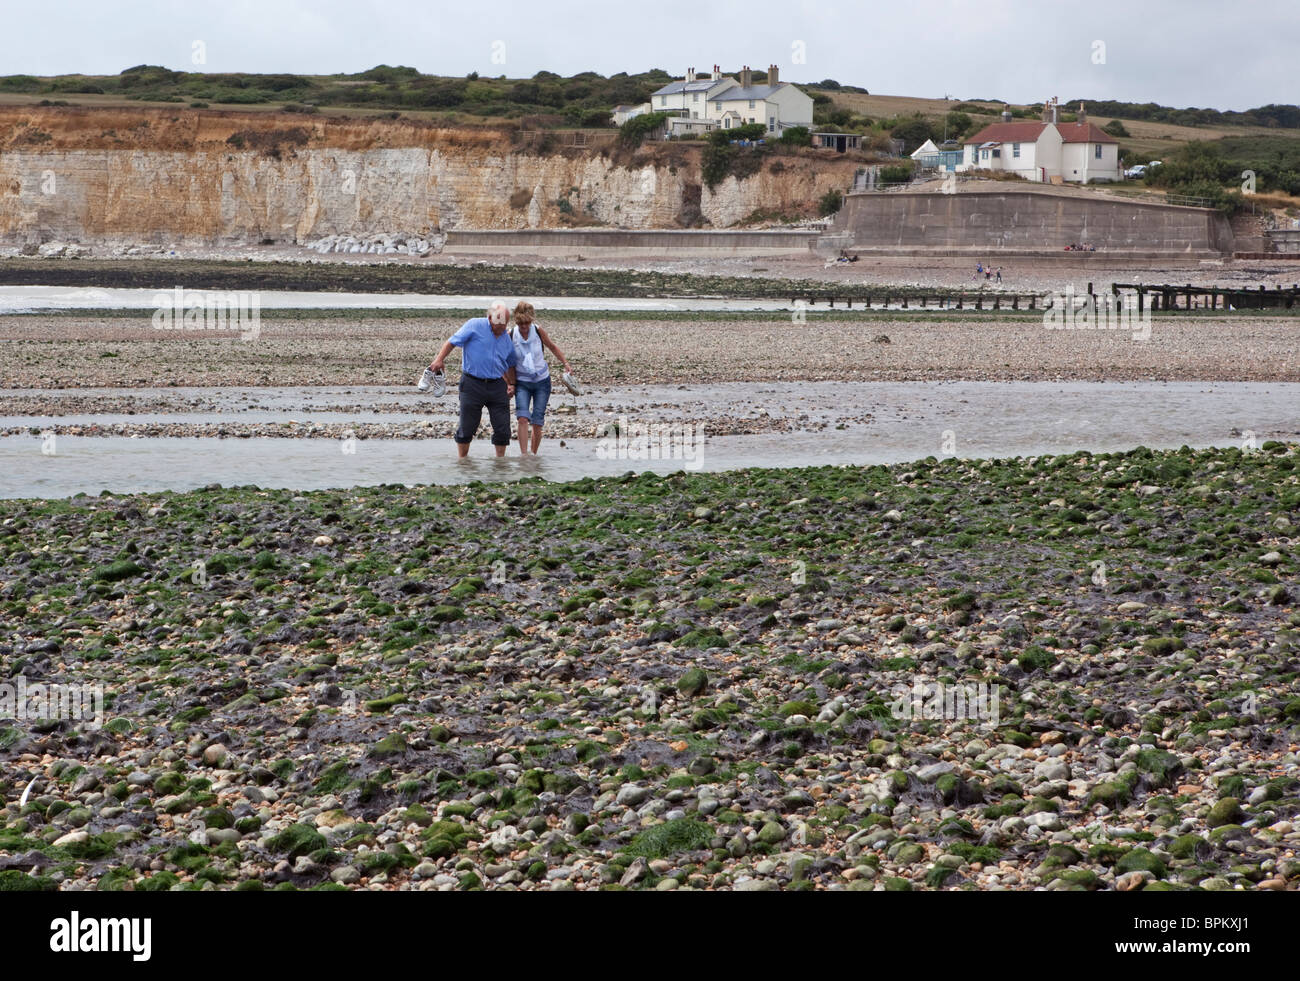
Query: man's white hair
point(498, 313)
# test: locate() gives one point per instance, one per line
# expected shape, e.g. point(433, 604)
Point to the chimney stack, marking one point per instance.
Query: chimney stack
point(690, 74)
point(1083, 115)
point(1006, 114)
point(745, 77)
point(773, 76)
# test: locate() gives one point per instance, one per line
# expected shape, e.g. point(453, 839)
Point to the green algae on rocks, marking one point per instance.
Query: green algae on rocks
point(649, 700)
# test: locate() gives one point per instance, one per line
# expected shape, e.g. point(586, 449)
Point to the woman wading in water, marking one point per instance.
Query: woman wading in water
point(532, 377)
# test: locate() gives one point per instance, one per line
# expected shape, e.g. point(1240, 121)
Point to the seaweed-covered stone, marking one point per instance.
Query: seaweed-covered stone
point(297, 839)
point(117, 571)
point(1224, 812)
point(1141, 860)
point(678, 835)
point(391, 745)
point(1160, 767)
point(12, 880)
point(693, 683)
point(1186, 846)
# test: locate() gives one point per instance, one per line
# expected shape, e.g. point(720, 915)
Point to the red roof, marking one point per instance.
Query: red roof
point(1008, 133)
point(1083, 133)
point(1024, 132)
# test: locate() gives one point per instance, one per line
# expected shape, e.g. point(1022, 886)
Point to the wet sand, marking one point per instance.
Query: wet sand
point(1047, 272)
point(44, 351)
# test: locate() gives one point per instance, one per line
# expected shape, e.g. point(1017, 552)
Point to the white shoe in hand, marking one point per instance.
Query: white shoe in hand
point(432, 380)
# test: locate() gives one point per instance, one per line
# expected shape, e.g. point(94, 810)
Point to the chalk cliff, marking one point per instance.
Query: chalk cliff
point(185, 175)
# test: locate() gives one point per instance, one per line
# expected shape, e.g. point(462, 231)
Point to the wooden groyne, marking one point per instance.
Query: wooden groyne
point(1140, 296)
point(1189, 297)
point(938, 300)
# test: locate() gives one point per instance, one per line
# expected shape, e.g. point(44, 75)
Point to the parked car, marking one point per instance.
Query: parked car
point(1141, 170)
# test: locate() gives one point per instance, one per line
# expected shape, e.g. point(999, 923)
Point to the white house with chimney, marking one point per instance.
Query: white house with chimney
point(775, 105)
point(1076, 152)
point(687, 100)
point(701, 103)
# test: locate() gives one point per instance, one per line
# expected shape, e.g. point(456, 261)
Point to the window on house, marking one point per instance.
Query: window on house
point(751, 103)
point(663, 100)
point(771, 124)
point(1015, 149)
point(695, 97)
point(1097, 151)
point(984, 154)
point(997, 153)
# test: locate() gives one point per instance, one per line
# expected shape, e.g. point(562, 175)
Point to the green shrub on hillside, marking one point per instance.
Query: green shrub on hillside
point(833, 116)
point(797, 136)
point(750, 131)
point(1215, 170)
point(633, 132)
point(958, 124)
point(915, 131)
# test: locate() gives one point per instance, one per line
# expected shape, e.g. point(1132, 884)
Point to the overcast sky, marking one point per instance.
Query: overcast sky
point(1203, 53)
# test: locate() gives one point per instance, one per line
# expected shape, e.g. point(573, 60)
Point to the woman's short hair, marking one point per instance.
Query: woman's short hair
point(524, 311)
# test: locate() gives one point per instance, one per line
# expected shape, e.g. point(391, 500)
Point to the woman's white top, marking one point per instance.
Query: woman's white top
point(530, 359)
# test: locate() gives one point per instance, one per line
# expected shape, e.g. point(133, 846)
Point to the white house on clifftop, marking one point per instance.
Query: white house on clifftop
point(689, 98)
point(1076, 152)
point(721, 102)
point(776, 105)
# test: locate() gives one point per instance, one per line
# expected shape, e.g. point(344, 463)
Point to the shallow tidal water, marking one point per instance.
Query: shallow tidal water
point(31, 299)
point(910, 420)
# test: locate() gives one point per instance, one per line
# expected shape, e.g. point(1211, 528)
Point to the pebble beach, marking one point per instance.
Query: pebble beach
point(700, 682)
point(1060, 672)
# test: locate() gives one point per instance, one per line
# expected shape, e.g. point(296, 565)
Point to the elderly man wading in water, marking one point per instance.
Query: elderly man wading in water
point(487, 376)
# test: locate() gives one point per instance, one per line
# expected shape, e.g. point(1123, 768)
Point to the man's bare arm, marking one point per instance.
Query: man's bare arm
point(441, 359)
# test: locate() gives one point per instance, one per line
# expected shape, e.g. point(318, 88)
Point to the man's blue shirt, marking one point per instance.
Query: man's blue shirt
point(483, 354)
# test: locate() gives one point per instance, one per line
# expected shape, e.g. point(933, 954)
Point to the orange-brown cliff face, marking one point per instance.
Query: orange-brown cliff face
point(109, 174)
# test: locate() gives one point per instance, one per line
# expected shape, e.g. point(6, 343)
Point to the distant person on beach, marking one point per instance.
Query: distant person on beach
point(487, 376)
point(999, 275)
point(532, 376)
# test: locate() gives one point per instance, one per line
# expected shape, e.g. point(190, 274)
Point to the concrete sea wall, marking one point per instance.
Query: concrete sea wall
point(1025, 220)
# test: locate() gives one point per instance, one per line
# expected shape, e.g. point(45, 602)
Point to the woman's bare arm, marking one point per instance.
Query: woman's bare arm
point(546, 340)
